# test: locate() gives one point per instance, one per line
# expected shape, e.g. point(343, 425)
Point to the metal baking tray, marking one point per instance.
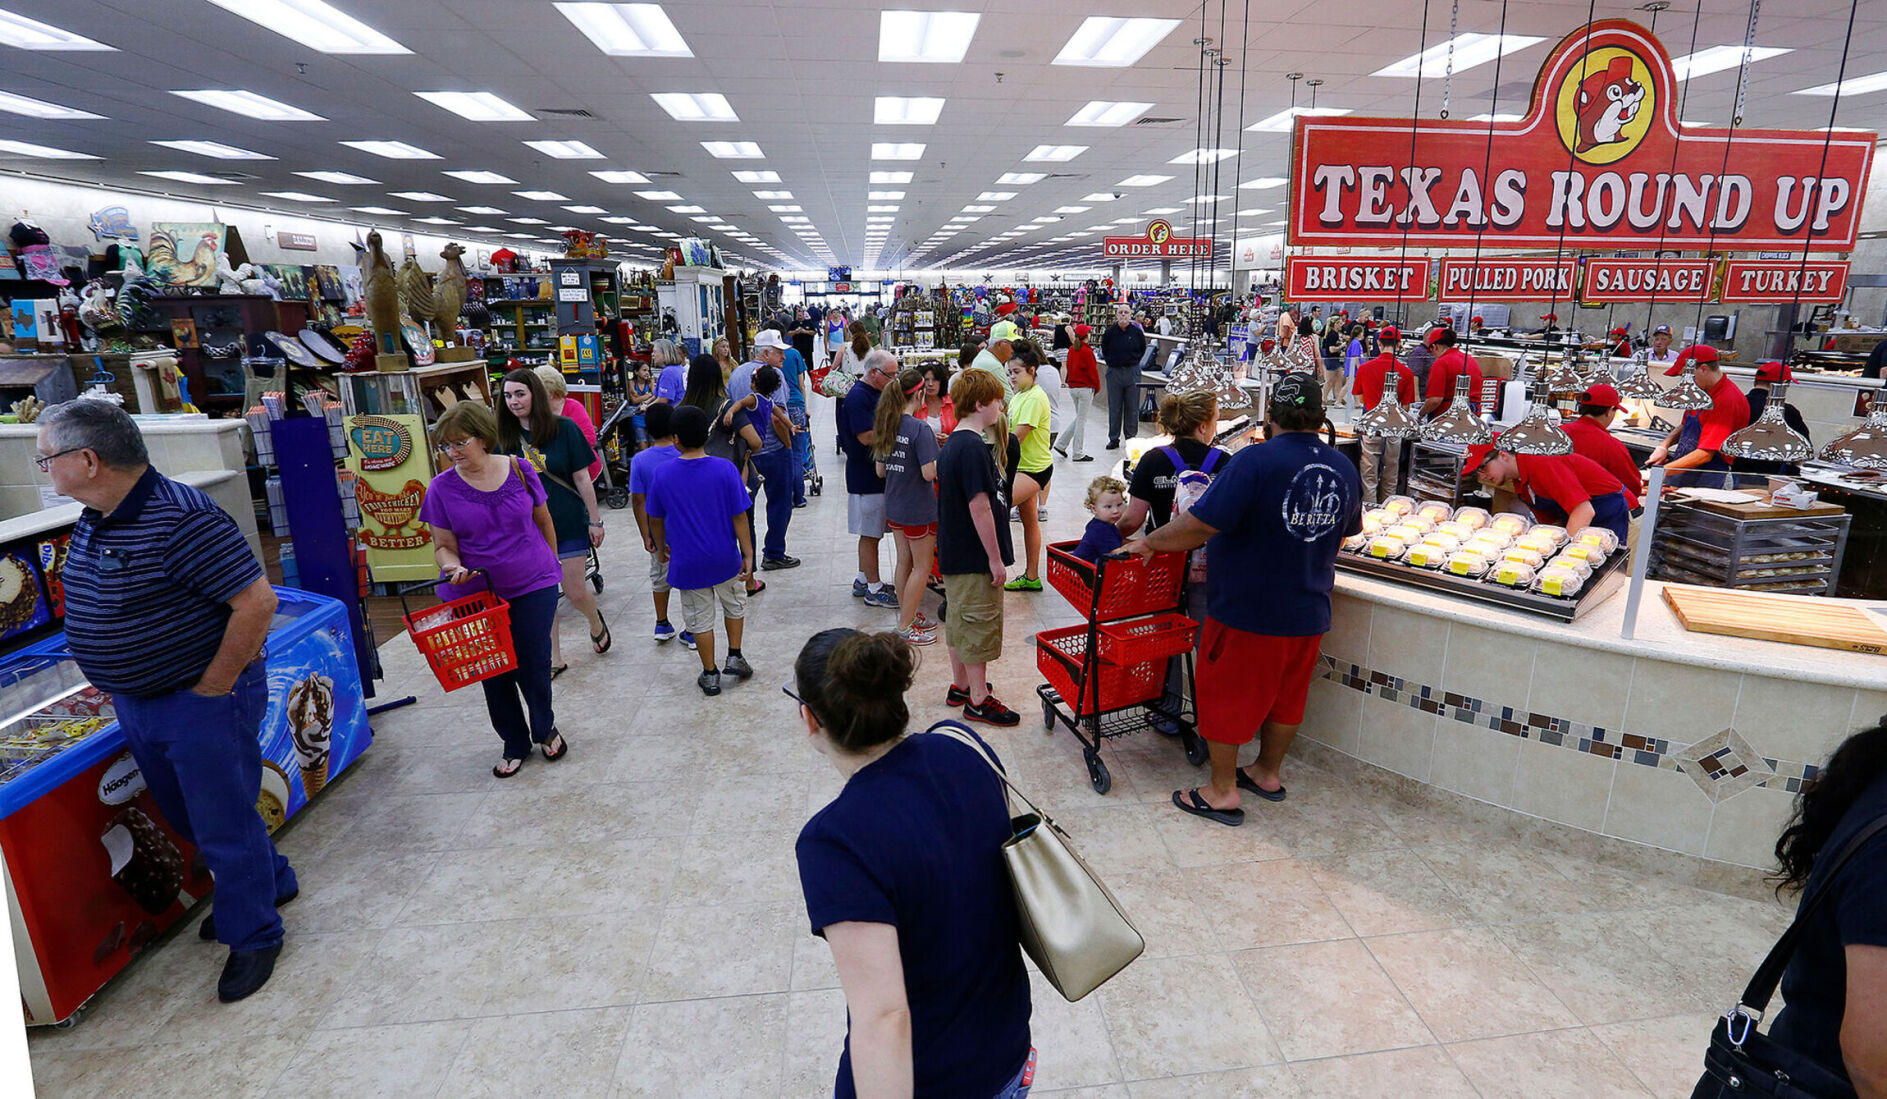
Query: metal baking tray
point(1609, 577)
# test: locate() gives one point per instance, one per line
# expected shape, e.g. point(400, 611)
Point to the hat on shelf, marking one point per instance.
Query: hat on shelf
point(1082, 330)
point(1699, 353)
point(1773, 371)
point(1389, 334)
point(1602, 395)
point(768, 338)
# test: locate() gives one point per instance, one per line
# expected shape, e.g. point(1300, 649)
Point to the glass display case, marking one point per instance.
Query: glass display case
point(46, 706)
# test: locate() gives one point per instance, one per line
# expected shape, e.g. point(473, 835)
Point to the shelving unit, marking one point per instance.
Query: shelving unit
point(1798, 552)
point(527, 325)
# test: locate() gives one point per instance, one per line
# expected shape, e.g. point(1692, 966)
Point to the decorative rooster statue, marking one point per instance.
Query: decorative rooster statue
point(383, 297)
point(416, 299)
point(449, 297)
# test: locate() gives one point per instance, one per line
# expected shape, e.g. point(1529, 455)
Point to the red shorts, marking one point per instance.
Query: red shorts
point(1246, 679)
point(928, 530)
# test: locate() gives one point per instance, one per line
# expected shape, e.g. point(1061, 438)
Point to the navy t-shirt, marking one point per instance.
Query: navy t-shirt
point(857, 414)
point(1281, 509)
point(965, 469)
point(1816, 982)
point(915, 840)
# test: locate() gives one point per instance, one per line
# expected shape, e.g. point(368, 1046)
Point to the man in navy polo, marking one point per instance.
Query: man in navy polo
point(167, 609)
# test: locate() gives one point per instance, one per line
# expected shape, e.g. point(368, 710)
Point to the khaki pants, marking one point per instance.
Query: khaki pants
point(1382, 462)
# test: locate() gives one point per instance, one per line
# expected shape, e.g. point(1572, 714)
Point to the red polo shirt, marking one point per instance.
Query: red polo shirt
point(1728, 414)
point(1598, 444)
point(1372, 375)
point(1565, 480)
point(1082, 371)
point(1448, 366)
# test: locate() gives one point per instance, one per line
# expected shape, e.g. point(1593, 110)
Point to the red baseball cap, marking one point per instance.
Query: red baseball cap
point(1550, 317)
point(1477, 320)
point(1773, 371)
point(1389, 334)
point(1602, 395)
point(1082, 330)
point(1429, 337)
point(1699, 353)
point(1478, 454)
point(1618, 332)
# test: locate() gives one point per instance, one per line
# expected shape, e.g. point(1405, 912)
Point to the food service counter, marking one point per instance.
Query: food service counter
point(1690, 742)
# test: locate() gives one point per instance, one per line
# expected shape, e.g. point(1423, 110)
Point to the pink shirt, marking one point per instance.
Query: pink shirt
point(573, 409)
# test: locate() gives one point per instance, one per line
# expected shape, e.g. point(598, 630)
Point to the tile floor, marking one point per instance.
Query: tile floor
point(628, 922)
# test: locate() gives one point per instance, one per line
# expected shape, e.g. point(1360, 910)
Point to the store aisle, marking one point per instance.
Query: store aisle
point(628, 921)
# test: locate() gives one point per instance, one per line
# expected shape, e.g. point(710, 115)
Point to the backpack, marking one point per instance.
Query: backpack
point(1189, 485)
point(727, 442)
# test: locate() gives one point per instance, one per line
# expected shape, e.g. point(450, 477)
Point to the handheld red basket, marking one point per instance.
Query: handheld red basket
point(1154, 638)
point(1058, 654)
point(465, 640)
point(1129, 585)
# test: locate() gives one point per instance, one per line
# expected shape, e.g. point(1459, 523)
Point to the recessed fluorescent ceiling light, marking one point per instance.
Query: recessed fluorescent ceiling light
point(1203, 156)
point(345, 179)
point(733, 150)
point(628, 30)
point(659, 196)
point(891, 177)
point(542, 196)
point(1101, 112)
point(435, 221)
point(791, 220)
point(392, 150)
point(1056, 152)
point(1280, 123)
point(881, 219)
point(1014, 178)
point(696, 106)
point(995, 196)
point(213, 148)
point(31, 34)
point(381, 210)
point(689, 209)
point(757, 177)
point(1100, 196)
point(1467, 50)
point(587, 209)
point(786, 209)
point(527, 221)
point(929, 36)
point(39, 108)
point(896, 110)
point(565, 150)
point(1501, 116)
point(1207, 200)
point(295, 196)
point(27, 148)
point(471, 176)
point(891, 150)
point(1143, 181)
point(314, 24)
point(771, 195)
point(621, 177)
point(704, 218)
point(1108, 42)
point(477, 106)
point(481, 209)
point(1045, 219)
point(1854, 85)
point(1072, 209)
point(251, 105)
point(1160, 210)
point(419, 196)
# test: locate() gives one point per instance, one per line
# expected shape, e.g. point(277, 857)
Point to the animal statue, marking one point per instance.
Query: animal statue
point(383, 297)
point(416, 298)
point(449, 295)
point(1606, 102)
point(249, 278)
point(271, 284)
point(227, 280)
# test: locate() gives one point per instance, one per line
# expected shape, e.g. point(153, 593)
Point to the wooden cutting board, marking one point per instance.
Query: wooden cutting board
point(1791, 619)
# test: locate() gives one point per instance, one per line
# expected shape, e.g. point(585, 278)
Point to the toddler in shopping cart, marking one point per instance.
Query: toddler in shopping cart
point(1107, 501)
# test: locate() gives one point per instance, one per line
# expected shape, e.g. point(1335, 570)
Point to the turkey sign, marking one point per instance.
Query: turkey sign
point(1597, 161)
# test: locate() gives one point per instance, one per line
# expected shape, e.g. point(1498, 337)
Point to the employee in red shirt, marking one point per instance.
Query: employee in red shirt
point(1083, 378)
point(1591, 433)
point(1570, 489)
point(1382, 458)
point(1450, 363)
point(1693, 450)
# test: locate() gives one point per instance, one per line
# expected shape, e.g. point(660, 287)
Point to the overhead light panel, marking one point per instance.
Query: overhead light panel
point(787, 209)
point(471, 176)
point(392, 150)
point(689, 209)
point(1160, 210)
point(315, 24)
point(419, 196)
point(621, 177)
point(380, 210)
point(1854, 85)
point(891, 177)
point(1102, 112)
point(772, 195)
point(565, 150)
point(695, 106)
point(1206, 200)
point(1015, 178)
point(343, 179)
point(1203, 156)
point(979, 209)
point(250, 105)
point(659, 196)
point(1280, 123)
point(31, 34)
point(1108, 42)
point(587, 209)
point(897, 110)
point(542, 196)
point(938, 37)
point(792, 220)
point(295, 196)
point(757, 177)
point(1100, 196)
point(486, 210)
point(733, 150)
point(627, 30)
point(1056, 153)
point(47, 152)
point(1072, 209)
point(39, 108)
point(995, 196)
point(1467, 51)
point(1263, 183)
point(213, 148)
point(477, 106)
point(890, 150)
point(435, 221)
point(704, 218)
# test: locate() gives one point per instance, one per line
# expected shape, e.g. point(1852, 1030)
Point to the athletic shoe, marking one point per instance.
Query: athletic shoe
point(883, 597)
point(1113, 444)
point(1023, 583)
point(1015, 515)
point(992, 712)
point(1061, 452)
point(709, 682)
point(784, 562)
point(860, 589)
point(914, 636)
point(664, 631)
point(688, 641)
point(1084, 458)
point(923, 623)
point(960, 696)
point(737, 667)
point(799, 503)
point(1042, 512)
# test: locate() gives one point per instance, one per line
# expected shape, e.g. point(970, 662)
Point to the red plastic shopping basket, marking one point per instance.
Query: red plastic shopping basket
point(1156, 637)
point(1129, 585)
point(465, 640)
point(1058, 654)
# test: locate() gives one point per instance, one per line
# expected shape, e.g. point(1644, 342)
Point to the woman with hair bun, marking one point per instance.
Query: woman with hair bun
point(904, 878)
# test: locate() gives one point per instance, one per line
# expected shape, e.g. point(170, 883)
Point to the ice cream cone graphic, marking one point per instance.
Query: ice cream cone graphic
point(311, 725)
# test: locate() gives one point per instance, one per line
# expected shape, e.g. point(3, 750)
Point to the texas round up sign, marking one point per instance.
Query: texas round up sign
point(1158, 242)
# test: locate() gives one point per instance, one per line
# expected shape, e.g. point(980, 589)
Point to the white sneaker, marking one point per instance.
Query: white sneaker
point(914, 636)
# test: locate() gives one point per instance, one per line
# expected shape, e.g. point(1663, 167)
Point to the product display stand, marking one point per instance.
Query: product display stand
point(312, 495)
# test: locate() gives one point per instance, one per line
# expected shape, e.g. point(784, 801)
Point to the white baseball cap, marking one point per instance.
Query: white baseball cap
point(768, 338)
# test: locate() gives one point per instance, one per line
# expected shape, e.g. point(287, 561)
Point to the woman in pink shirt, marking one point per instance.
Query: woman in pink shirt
point(557, 390)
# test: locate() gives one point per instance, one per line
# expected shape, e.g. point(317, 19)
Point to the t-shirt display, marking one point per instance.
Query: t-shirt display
point(856, 414)
point(966, 469)
point(1030, 407)
point(565, 458)
point(697, 500)
point(909, 499)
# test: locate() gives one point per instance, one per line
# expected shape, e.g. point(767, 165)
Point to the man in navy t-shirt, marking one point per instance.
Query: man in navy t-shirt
point(864, 489)
point(1275, 517)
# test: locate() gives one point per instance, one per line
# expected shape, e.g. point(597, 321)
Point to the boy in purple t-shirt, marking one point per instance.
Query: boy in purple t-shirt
point(697, 509)
point(658, 424)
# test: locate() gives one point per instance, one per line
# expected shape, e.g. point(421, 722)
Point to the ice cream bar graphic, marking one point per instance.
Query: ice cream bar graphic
point(311, 725)
point(272, 799)
point(143, 860)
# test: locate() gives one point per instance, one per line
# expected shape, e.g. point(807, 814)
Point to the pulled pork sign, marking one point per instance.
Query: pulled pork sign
point(1598, 161)
point(1506, 279)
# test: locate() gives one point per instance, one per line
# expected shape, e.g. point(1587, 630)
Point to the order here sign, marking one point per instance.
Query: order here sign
point(1158, 242)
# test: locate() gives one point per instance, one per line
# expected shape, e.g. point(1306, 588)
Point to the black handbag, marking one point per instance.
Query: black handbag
point(1742, 1063)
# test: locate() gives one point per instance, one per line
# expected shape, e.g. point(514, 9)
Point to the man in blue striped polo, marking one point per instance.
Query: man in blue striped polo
point(167, 609)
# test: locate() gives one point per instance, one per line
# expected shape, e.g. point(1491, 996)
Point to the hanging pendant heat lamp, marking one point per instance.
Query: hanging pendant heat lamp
point(1458, 423)
point(1770, 438)
point(1865, 445)
point(1641, 386)
point(1564, 378)
point(1686, 395)
point(1389, 419)
point(1536, 433)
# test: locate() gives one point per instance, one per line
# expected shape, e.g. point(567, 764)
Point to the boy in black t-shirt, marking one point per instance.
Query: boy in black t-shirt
point(973, 550)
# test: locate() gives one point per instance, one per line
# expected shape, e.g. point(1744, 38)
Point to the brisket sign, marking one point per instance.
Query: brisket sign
point(1778, 280)
point(1507, 279)
point(1669, 280)
point(1329, 278)
point(1598, 161)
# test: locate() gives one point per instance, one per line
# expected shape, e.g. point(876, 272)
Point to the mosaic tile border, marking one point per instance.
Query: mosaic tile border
point(1722, 765)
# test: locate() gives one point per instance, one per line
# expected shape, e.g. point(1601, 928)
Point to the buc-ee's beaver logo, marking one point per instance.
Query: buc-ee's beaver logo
point(1159, 232)
point(1605, 105)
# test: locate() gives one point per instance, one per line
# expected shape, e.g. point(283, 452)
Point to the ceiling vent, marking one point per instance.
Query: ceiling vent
point(1158, 121)
point(235, 177)
point(565, 112)
point(663, 175)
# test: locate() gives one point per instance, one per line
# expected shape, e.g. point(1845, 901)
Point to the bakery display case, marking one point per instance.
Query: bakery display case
point(1755, 548)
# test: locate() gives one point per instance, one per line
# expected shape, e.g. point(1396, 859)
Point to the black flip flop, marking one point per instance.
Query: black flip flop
point(600, 642)
point(558, 669)
point(561, 752)
point(1189, 801)
point(498, 770)
point(1247, 783)
point(758, 590)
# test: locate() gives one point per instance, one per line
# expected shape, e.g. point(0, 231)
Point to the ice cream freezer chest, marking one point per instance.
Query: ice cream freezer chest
point(94, 873)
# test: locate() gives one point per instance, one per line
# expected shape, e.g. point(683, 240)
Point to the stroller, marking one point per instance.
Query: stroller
point(613, 483)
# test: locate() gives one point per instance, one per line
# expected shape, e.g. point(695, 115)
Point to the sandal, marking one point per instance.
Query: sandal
point(558, 669)
point(507, 767)
point(601, 642)
point(563, 746)
point(1190, 801)
point(1246, 782)
point(762, 586)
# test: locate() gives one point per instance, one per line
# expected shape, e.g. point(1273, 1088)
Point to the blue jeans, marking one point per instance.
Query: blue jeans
point(202, 759)
point(531, 615)
point(776, 474)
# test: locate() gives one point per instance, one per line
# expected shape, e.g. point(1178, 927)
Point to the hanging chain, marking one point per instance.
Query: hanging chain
point(1742, 72)
point(1448, 73)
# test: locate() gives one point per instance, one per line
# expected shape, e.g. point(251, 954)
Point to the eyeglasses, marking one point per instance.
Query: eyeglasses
point(455, 447)
point(44, 461)
point(787, 690)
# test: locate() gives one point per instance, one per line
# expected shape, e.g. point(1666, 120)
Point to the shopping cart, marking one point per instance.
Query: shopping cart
point(463, 640)
point(1107, 677)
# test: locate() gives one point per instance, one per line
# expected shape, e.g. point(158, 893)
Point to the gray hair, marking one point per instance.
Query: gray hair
point(98, 426)
point(881, 360)
point(665, 353)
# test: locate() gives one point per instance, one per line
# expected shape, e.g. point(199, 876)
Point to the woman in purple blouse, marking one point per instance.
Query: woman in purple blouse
point(488, 513)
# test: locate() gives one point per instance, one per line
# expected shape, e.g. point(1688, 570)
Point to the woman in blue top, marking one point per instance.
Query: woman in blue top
point(904, 879)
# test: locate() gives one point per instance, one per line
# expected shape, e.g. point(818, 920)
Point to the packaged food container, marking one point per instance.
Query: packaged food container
point(1467, 563)
point(1443, 539)
point(1602, 538)
point(1435, 511)
point(1558, 580)
point(1387, 547)
point(1591, 555)
point(1463, 531)
point(1564, 562)
point(1376, 519)
point(1547, 530)
point(1544, 544)
point(1498, 539)
point(1401, 505)
point(1527, 556)
point(1512, 574)
point(1513, 524)
point(1408, 532)
point(1476, 518)
point(1355, 542)
point(1419, 522)
point(1423, 555)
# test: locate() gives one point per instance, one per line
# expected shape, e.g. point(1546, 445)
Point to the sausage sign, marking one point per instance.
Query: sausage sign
point(1598, 161)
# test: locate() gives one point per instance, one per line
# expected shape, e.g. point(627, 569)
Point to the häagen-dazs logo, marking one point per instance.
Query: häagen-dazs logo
point(1314, 505)
point(1605, 105)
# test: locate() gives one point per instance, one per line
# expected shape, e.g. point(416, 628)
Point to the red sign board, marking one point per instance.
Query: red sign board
point(1598, 161)
point(1158, 242)
point(1779, 280)
point(1672, 280)
point(1327, 278)
point(1506, 279)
